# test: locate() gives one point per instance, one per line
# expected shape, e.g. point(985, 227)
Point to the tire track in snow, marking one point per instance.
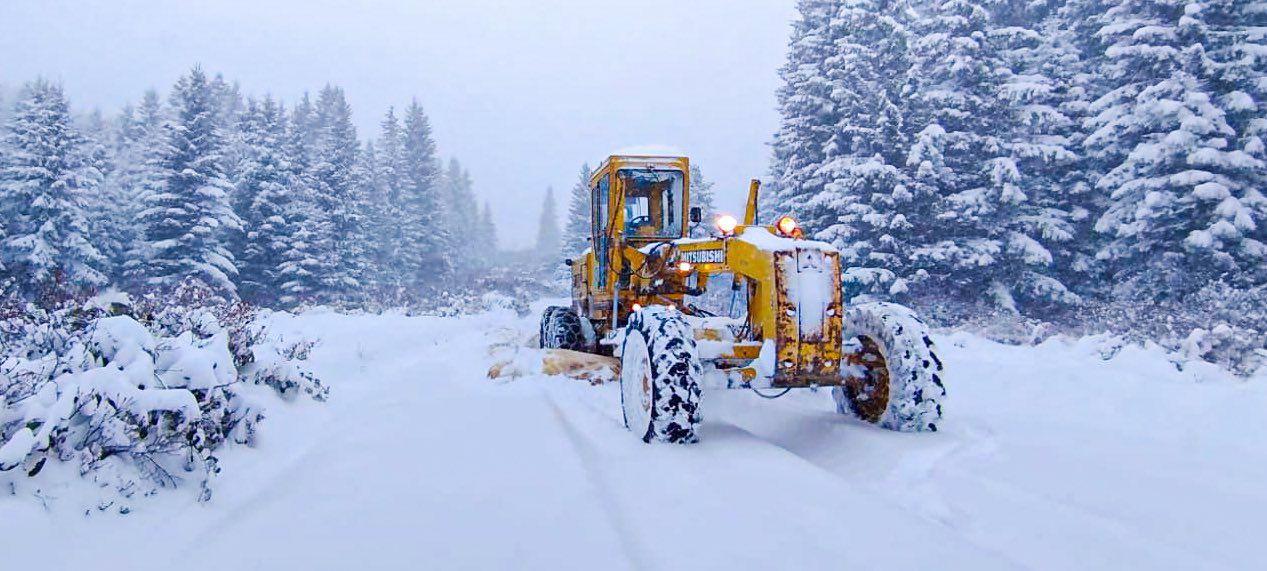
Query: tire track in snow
point(815, 436)
point(583, 397)
point(600, 484)
point(915, 474)
point(1108, 526)
point(853, 485)
point(920, 471)
point(592, 402)
point(278, 484)
point(326, 438)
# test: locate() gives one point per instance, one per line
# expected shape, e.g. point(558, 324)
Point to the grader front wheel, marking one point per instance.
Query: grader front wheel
point(659, 376)
point(895, 373)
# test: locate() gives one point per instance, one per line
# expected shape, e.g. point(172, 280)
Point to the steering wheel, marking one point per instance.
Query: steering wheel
point(656, 260)
point(639, 221)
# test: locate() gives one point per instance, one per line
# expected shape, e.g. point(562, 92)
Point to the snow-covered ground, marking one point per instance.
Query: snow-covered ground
point(1051, 457)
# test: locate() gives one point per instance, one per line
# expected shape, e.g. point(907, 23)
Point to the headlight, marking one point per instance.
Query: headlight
point(726, 224)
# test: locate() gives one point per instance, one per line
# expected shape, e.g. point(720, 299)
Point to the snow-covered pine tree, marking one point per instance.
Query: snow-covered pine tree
point(4, 214)
point(805, 104)
point(108, 228)
point(229, 105)
point(859, 205)
point(1238, 38)
point(150, 117)
point(138, 157)
point(1066, 55)
point(377, 218)
point(973, 246)
point(1238, 46)
point(6, 102)
point(122, 131)
point(701, 197)
point(301, 134)
point(263, 185)
point(1184, 207)
point(549, 239)
point(390, 181)
point(868, 207)
point(46, 177)
point(461, 211)
point(487, 235)
point(1039, 81)
point(427, 255)
point(97, 133)
point(305, 266)
point(187, 216)
point(577, 228)
point(363, 248)
point(333, 176)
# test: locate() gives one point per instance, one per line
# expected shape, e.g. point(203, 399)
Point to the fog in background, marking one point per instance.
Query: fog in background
point(521, 92)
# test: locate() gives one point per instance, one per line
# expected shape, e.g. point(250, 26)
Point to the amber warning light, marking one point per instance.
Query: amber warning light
point(787, 227)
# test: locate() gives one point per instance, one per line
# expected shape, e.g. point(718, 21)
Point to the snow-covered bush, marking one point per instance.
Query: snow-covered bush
point(513, 289)
point(141, 396)
point(517, 289)
point(1219, 323)
point(998, 325)
point(1235, 348)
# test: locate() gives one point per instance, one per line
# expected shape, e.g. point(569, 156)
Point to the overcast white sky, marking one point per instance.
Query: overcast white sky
point(522, 92)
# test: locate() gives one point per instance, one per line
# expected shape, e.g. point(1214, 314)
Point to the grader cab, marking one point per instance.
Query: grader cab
point(633, 292)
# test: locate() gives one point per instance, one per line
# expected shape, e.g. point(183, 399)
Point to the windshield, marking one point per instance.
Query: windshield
point(653, 202)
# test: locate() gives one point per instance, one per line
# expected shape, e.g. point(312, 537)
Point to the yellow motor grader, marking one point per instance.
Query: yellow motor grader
point(632, 293)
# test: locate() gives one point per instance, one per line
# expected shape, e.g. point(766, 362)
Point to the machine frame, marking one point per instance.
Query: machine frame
point(786, 337)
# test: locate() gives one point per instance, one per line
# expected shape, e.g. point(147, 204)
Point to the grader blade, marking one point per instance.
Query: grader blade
point(595, 369)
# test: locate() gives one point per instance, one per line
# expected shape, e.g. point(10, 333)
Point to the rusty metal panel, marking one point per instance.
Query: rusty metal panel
point(808, 318)
point(786, 321)
point(833, 338)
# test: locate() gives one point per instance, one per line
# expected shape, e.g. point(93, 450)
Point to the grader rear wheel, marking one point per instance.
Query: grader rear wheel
point(561, 329)
point(868, 394)
point(897, 380)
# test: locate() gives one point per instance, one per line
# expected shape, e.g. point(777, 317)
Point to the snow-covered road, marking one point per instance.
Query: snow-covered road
point(1051, 457)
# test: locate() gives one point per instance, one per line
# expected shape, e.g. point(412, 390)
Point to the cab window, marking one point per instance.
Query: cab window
point(601, 218)
point(653, 202)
